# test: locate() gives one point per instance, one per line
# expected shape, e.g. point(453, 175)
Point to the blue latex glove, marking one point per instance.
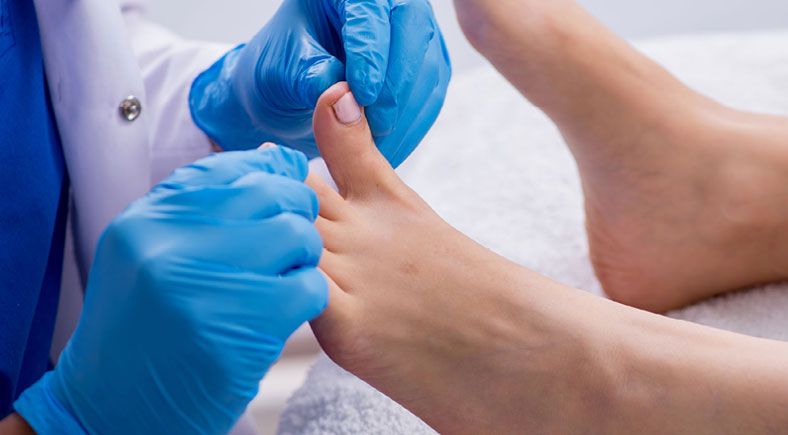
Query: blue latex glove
point(391, 52)
point(194, 291)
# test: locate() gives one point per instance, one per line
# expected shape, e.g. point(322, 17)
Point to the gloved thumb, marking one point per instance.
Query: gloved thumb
point(318, 77)
point(345, 142)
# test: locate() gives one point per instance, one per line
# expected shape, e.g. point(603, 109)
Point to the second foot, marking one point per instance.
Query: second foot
point(689, 209)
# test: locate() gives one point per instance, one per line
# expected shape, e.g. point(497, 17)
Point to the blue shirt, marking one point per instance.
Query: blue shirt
point(33, 184)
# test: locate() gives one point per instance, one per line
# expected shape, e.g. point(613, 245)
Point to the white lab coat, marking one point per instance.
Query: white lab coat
point(96, 53)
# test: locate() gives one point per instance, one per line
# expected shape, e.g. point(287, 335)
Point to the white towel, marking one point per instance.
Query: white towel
point(498, 170)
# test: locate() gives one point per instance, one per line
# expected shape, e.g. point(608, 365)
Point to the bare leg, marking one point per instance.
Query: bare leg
point(473, 343)
point(685, 198)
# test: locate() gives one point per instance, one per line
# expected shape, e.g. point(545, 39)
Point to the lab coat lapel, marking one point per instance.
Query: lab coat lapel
point(91, 69)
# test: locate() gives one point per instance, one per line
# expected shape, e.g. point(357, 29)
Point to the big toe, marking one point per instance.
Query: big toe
point(345, 142)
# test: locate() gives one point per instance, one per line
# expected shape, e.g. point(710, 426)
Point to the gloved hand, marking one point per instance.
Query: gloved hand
point(194, 290)
point(391, 52)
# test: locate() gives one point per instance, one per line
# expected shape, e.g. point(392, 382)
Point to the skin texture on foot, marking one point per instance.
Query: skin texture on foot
point(684, 198)
point(472, 343)
point(399, 309)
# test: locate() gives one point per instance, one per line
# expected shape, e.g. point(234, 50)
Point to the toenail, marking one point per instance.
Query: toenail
point(347, 109)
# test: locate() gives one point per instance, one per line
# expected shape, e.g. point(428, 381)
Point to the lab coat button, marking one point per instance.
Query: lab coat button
point(130, 108)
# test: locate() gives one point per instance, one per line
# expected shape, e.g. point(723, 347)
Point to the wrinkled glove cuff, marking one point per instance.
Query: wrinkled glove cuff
point(44, 412)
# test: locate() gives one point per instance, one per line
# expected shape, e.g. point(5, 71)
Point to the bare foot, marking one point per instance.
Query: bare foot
point(688, 208)
point(473, 343)
point(399, 308)
point(684, 198)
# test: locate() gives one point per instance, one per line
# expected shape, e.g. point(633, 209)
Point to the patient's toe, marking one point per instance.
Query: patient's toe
point(332, 206)
point(346, 144)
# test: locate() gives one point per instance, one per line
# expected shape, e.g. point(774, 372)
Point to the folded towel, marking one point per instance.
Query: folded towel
point(498, 170)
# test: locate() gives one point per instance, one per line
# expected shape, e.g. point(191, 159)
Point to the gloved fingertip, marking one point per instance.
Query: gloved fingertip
point(382, 120)
point(315, 290)
point(297, 160)
point(365, 85)
point(320, 76)
point(315, 208)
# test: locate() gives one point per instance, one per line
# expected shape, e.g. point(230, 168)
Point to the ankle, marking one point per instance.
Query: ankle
point(572, 378)
point(552, 349)
point(749, 186)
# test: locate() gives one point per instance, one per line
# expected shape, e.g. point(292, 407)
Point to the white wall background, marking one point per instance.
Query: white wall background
point(237, 20)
